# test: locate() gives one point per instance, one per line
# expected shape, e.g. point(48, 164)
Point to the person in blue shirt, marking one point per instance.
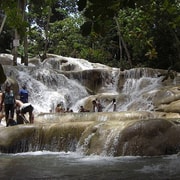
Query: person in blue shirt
point(23, 94)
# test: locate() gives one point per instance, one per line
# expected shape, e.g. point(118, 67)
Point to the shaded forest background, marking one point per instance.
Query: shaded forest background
point(118, 33)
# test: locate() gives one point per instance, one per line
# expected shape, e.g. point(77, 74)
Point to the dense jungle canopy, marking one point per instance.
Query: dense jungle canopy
point(120, 33)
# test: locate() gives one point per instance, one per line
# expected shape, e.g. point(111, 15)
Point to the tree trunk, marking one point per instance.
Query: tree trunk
point(25, 51)
point(3, 22)
point(15, 44)
point(47, 34)
point(123, 44)
point(15, 49)
point(24, 3)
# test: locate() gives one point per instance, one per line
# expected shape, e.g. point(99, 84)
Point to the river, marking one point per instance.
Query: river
point(74, 166)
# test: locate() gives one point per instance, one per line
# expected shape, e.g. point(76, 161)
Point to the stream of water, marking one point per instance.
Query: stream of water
point(74, 166)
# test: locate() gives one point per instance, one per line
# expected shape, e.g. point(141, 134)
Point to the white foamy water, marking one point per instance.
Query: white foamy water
point(48, 87)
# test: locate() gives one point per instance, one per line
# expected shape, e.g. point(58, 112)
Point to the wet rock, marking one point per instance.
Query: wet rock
point(149, 138)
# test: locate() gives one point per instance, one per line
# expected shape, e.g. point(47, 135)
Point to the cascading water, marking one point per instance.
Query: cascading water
point(139, 88)
point(48, 87)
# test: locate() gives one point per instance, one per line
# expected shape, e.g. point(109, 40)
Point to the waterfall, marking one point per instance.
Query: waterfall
point(111, 142)
point(76, 82)
point(140, 86)
point(48, 87)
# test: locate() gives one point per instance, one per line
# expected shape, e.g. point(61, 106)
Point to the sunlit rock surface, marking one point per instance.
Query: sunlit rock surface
point(6, 59)
point(149, 138)
point(110, 134)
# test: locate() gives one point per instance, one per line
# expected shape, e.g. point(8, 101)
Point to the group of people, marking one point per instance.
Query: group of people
point(8, 104)
point(97, 106)
point(60, 109)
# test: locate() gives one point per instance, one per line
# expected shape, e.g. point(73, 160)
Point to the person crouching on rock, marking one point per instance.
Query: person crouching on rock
point(24, 108)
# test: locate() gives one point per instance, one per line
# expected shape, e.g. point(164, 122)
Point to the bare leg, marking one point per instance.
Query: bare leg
point(31, 117)
point(25, 120)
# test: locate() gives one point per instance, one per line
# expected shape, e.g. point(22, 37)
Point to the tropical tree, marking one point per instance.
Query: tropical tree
point(65, 36)
point(117, 32)
point(35, 22)
point(14, 10)
point(42, 15)
point(101, 15)
point(147, 31)
point(136, 32)
point(165, 30)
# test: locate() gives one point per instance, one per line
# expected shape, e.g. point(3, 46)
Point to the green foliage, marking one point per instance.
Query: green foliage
point(95, 55)
point(97, 14)
point(67, 40)
point(17, 23)
point(14, 16)
point(36, 41)
point(6, 40)
point(14, 21)
point(104, 32)
point(135, 29)
point(165, 31)
point(86, 28)
point(43, 15)
point(150, 29)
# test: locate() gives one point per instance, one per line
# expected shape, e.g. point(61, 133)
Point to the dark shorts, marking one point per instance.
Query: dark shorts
point(27, 109)
point(9, 107)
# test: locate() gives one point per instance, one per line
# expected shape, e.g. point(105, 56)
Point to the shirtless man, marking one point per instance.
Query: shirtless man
point(59, 109)
point(23, 108)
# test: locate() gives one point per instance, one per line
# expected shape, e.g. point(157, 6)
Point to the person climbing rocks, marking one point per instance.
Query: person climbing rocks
point(22, 109)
